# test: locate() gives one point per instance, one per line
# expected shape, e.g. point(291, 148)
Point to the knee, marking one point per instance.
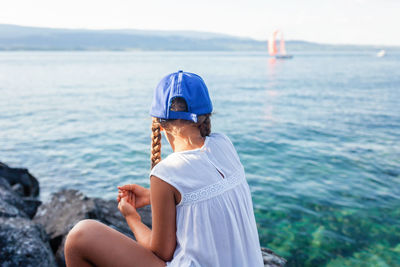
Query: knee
point(79, 236)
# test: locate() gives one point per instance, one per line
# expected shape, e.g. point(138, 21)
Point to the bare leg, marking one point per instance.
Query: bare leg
point(93, 243)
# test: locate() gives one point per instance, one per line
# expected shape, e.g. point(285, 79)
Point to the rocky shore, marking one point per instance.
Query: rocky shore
point(33, 233)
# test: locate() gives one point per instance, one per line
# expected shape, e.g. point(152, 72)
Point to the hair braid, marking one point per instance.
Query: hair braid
point(155, 143)
point(205, 125)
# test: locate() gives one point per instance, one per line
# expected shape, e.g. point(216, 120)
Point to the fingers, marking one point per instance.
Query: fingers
point(129, 187)
point(121, 194)
point(122, 202)
point(129, 191)
point(132, 197)
point(120, 206)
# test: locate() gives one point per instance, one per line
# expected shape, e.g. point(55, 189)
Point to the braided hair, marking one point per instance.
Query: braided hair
point(155, 143)
point(178, 104)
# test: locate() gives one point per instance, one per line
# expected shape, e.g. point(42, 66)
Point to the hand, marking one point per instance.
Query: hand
point(142, 195)
point(126, 206)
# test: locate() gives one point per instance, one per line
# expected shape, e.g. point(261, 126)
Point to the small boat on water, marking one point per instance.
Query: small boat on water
point(273, 49)
point(381, 53)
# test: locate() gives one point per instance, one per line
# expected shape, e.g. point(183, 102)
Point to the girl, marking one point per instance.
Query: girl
point(202, 212)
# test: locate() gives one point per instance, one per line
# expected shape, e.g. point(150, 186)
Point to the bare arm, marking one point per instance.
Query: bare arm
point(163, 241)
point(140, 230)
point(162, 238)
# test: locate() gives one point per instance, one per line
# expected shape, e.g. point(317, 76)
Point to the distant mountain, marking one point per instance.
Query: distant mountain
point(13, 37)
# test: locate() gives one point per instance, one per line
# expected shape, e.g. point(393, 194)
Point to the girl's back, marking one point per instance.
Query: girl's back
point(214, 220)
point(212, 225)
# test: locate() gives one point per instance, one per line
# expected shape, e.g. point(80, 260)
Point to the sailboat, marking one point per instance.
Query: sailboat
point(381, 53)
point(273, 49)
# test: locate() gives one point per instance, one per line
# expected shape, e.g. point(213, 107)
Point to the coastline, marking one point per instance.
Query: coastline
point(33, 233)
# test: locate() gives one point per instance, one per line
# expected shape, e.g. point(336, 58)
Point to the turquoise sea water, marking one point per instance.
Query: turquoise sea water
point(318, 136)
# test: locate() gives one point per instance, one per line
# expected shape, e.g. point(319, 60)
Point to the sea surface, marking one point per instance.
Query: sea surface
point(318, 135)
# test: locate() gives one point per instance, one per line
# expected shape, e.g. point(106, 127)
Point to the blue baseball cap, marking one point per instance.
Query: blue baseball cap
point(190, 87)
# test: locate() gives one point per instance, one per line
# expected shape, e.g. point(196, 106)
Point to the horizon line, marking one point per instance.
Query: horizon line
point(198, 31)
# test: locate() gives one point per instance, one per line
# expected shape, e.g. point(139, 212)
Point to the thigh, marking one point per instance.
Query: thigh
point(105, 246)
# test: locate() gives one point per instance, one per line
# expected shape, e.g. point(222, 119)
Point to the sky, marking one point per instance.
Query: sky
point(324, 21)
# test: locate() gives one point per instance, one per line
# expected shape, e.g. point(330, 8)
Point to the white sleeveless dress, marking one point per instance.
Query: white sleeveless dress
point(215, 220)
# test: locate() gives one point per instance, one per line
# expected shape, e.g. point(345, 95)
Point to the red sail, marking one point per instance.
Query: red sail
point(272, 49)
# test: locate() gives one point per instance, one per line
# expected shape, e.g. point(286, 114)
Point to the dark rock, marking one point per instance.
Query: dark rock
point(20, 176)
point(23, 243)
point(4, 183)
point(19, 189)
point(27, 205)
point(7, 210)
point(271, 259)
point(15, 202)
point(67, 207)
point(108, 213)
point(31, 204)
